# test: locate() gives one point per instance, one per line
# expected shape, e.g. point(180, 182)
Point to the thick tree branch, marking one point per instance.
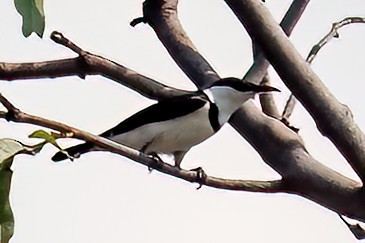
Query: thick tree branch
point(333, 119)
point(288, 23)
point(258, 70)
point(162, 17)
point(15, 115)
point(303, 174)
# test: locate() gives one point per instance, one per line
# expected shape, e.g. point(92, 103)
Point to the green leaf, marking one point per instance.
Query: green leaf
point(48, 137)
point(8, 149)
point(33, 16)
point(6, 214)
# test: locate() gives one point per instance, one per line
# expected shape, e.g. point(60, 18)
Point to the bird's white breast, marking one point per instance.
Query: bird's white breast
point(178, 134)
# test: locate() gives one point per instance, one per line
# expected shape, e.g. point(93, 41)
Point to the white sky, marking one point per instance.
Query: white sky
point(105, 198)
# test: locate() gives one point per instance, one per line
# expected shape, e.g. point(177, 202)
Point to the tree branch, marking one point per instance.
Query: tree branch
point(162, 17)
point(59, 38)
point(289, 108)
point(259, 68)
point(333, 119)
point(15, 115)
point(87, 64)
point(288, 23)
point(333, 33)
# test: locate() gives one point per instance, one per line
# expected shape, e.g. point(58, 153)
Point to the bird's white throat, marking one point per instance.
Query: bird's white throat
point(228, 100)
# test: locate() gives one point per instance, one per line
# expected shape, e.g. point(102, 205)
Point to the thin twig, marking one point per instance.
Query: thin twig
point(333, 33)
point(59, 38)
point(137, 156)
point(289, 108)
point(7, 104)
point(293, 15)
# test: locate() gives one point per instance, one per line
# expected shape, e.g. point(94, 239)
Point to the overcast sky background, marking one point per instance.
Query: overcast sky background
point(103, 197)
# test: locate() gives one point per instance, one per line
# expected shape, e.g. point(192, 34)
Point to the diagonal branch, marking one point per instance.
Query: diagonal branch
point(333, 119)
point(258, 70)
point(162, 17)
point(15, 115)
point(288, 23)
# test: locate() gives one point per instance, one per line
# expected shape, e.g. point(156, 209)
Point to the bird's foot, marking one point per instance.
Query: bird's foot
point(200, 176)
point(157, 161)
point(71, 157)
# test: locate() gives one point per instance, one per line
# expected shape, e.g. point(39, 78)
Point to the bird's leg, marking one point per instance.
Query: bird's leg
point(200, 176)
point(153, 155)
point(157, 161)
point(178, 157)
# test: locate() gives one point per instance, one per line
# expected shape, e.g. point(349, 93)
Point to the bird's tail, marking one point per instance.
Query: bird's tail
point(74, 151)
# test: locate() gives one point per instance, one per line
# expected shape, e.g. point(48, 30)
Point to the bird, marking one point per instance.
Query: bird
point(174, 125)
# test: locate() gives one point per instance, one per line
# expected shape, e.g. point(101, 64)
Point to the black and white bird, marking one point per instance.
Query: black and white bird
point(172, 126)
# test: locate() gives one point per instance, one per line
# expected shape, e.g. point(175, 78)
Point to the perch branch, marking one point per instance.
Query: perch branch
point(15, 115)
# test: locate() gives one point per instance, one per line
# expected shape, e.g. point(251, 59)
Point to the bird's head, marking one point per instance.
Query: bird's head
point(234, 88)
point(230, 93)
point(237, 85)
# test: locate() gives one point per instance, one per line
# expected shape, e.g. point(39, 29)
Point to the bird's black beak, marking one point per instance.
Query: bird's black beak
point(238, 85)
point(265, 88)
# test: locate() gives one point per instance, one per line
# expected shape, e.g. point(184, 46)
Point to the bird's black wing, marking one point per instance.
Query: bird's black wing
point(164, 110)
